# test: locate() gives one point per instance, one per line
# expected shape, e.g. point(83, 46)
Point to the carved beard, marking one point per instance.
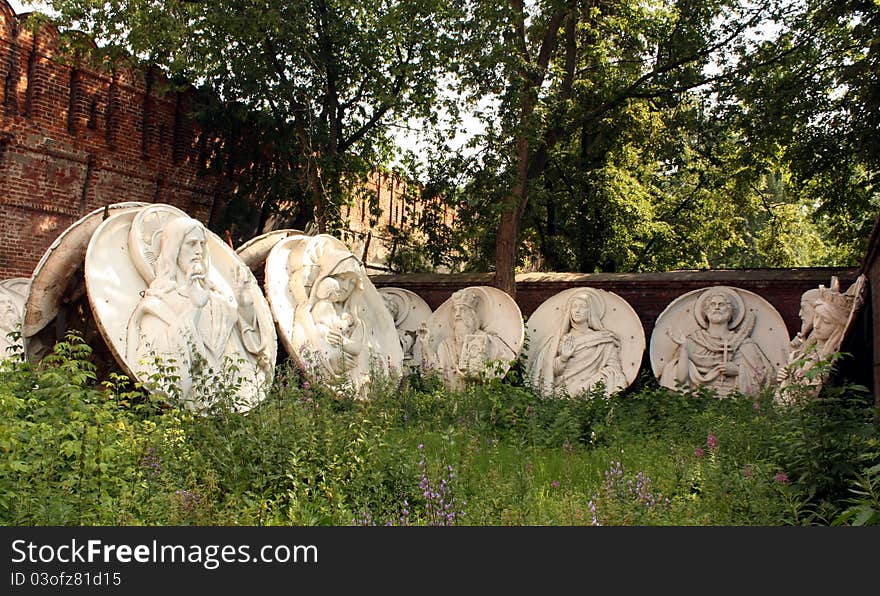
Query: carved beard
point(462, 328)
point(197, 286)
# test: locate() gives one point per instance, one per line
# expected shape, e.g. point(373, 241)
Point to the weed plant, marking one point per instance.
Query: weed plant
point(76, 450)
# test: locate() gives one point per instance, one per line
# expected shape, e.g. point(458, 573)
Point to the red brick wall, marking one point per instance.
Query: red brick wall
point(73, 139)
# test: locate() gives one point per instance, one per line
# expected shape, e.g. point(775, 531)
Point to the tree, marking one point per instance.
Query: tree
point(308, 88)
point(565, 72)
point(810, 101)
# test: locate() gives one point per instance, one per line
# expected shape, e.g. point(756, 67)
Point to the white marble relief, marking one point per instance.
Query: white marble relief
point(58, 279)
point(409, 311)
point(13, 294)
point(330, 317)
point(255, 251)
point(826, 314)
point(581, 337)
point(473, 335)
point(727, 339)
point(178, 308)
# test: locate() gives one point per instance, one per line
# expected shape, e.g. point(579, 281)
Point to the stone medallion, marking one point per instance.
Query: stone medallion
point(474, 335)
point(173, 300)
point(57, 284)
point(409, 311)
point(826, 315)
point(254, 251)
point(727, 339)
point(13, 294)
point(582, 336)
point(330, 317)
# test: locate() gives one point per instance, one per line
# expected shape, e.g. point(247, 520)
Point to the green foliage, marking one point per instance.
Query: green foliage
point(78, 452)
point(304, 92)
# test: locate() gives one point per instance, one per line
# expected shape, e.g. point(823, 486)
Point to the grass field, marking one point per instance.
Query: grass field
point(74, 451)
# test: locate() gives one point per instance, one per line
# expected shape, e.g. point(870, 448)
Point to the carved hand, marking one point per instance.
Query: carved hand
point(678, 338)
point(243, 283)
point(334, 338)
point(728, 369)
point(567, 347)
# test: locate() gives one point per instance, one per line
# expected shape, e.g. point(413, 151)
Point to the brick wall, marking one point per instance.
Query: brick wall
point(370, 236)
point(73, 139)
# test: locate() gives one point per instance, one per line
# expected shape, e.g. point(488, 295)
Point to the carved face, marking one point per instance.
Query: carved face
point(580, 310)
point(719, 309)
point(346, 283)
point(823, 326)
point(191, 258)
point(8, 310)
point(391, 305)
point(464, 319)
point(807, 313)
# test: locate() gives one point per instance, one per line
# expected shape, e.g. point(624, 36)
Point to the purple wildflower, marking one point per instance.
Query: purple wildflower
point(781, 478)
point(712, 441)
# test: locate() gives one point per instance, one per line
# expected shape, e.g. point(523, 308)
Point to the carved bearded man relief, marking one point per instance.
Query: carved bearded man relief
point(195, 334)
point(737, 344)
point(475, 334)
point(183, 316)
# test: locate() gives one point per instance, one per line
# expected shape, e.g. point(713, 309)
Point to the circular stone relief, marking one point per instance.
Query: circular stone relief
point(409, 311)
point(60, 264)
point(254, 251)
point(330, 316)
point(723, 338)
point(172, 299)
point(13, 293)
point(474, 334)
point(583, 336)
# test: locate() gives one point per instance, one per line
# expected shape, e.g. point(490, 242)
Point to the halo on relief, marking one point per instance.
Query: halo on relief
point(499, 314)
point(770, 333)
point(616, 315)
point(18, 286)
point(115, 285)
point(739, 306)
point(294, 266)
point(57, 268)
point(411, 308)
point(145, 237)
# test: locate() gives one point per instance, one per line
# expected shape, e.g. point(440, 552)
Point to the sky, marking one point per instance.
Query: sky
point(19, 6)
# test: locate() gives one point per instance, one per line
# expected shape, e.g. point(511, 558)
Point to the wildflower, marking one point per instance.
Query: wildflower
point(781, 478)
point(421, 446)
point(555, 484)
point(151, 462)
point(712, 441)
point(189, 501)
point(698, 452)
point(756, 406)
point(592, 505)
point(747, 472)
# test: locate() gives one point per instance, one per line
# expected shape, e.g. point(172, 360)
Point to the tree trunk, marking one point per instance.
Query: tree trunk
point(507, 242)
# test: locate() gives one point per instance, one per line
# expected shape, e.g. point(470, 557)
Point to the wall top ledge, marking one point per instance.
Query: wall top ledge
point(822, 275)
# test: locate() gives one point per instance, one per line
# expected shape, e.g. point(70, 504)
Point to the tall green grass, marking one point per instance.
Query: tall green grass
point(76, 451)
